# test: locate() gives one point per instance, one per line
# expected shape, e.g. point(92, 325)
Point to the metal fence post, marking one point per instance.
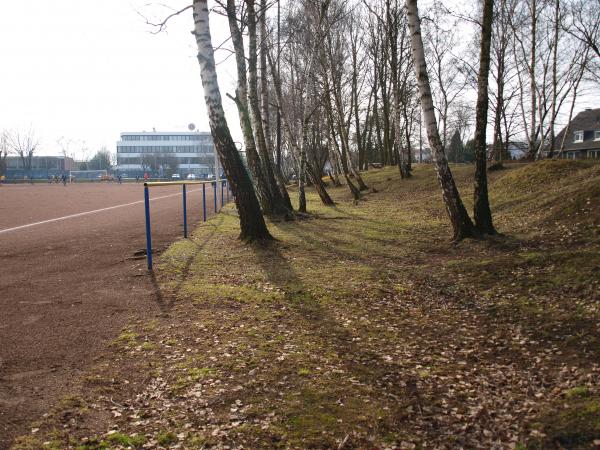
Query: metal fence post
point(204, 200)
point(185, 234)
point(148, 231)
point(215, 195)
point(222, 193)
point(227, 190)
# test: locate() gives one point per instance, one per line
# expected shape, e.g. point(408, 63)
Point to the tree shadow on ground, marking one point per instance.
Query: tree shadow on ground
point(165, 299)
point(359, 362)
point(327, 236)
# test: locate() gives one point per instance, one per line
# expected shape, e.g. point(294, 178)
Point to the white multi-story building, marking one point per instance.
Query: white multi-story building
point(163, 153)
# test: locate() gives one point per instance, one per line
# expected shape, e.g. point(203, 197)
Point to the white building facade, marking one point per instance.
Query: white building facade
point(161, 154)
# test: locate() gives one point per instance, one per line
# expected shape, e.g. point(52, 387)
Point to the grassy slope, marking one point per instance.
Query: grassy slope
point(362, 327)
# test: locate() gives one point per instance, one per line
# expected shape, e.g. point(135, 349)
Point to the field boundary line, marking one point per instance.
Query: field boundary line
point(85, 213)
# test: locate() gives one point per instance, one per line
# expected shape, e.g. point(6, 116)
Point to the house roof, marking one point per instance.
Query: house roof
point(586, 121)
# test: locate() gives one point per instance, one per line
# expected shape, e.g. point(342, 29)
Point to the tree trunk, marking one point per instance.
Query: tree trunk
point(319, 185)
point(302, 175)
point(365, 137)
point(498, 145)
point(554, 77)
point(334, 173)
point(481, 207)
point(459, 218)
point(241, 100)
point(392, 31)
point(376, 109)
point(353, 189)
point(346, 156)
point(264, 95)
point(279, 205)
point(252, 223)
point(533, 135)
point(355, 97)
point(318, 182)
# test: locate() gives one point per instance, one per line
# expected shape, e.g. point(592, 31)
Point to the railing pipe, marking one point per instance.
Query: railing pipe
point(215, 194)
point(204, 202)
point(185, 231)
point(148, 230)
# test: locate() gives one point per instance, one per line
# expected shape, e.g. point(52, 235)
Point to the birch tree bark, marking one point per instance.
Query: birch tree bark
point(481, 206)
point(347, 164)
point(287, 128)
point(353, 189)
point(532, 72)
point(252, 223)
point(459, 218)
point(241, 101)
point(280, 208)
point(264, 96)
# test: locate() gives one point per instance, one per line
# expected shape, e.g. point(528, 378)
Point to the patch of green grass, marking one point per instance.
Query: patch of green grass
point(244, 294)
point(71, 402)
point(135, 441)
point(199, 442)
point(148, 346)
point(198, 373)
point(27, 443)
point(576, 426)
point(166, 438)
point(578, 391)
point(191, 376)
point(150, 325)
point(127, 338)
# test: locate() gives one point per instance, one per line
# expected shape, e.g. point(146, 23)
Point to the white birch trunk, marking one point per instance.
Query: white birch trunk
point(461, 222)
point(252, 224)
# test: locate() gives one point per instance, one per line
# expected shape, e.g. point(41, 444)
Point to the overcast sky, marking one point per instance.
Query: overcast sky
point(87, 70)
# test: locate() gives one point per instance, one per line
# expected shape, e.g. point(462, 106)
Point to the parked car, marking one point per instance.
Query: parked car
point(191, 176)
point(176, 176)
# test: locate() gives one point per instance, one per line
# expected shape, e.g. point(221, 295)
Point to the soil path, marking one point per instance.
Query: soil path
point(67, 287)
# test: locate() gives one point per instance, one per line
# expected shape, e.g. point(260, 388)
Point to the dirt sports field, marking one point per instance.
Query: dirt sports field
point(70, 280)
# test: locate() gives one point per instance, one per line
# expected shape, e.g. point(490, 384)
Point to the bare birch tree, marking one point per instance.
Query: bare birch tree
point(265, 105)
point(280, 206)
point(459, 218)
point(241, 101)
point(252, 223)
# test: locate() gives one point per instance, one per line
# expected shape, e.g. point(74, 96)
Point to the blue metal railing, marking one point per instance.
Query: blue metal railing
point(215, 184)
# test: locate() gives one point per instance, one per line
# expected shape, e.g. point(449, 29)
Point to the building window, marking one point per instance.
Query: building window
point(578, 136)
point(594, 154)
point(571, 155)
point(597, 135)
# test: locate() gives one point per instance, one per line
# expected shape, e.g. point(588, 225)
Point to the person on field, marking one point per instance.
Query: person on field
point(2, 179)
point(120, 178)
point(146, 176)
point(64, 179)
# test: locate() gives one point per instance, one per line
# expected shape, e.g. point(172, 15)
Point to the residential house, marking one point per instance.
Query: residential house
point(582, 136)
